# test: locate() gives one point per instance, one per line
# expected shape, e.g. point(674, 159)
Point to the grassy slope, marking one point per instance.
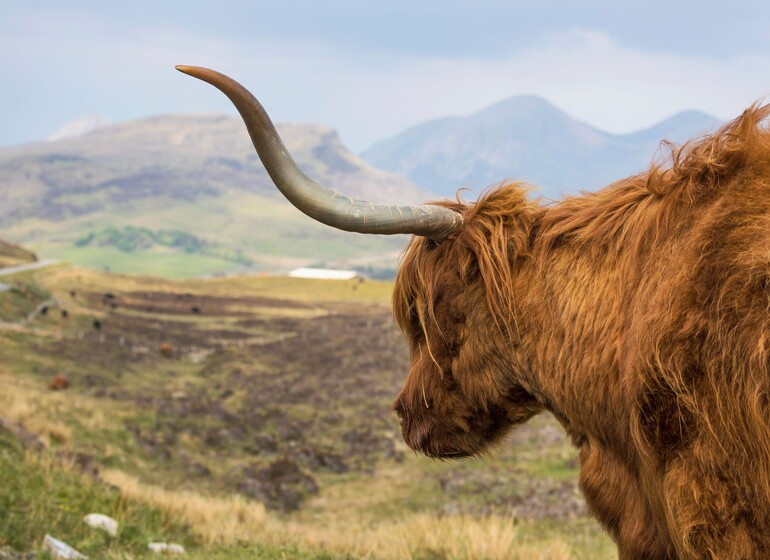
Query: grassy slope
point(41, 494)
point(197, 174)
point(146, 420)
point(272, 234)
point(169, 264)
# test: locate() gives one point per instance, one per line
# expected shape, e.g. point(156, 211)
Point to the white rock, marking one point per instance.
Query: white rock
point(103, 522)
point(166, 548)
point(61, 550)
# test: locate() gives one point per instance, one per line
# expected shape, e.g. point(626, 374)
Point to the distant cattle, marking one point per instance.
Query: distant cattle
point(166, 350)
point(59, 382)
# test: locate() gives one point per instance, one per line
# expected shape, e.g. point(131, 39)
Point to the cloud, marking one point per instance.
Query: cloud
point(585, 73)
point(60, 65)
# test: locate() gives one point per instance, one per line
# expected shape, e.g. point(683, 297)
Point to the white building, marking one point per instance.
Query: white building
point(324, 274)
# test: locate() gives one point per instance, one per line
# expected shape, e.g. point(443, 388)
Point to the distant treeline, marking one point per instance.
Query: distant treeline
point(131, 238)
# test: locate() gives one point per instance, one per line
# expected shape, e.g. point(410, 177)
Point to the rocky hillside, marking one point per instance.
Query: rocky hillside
point(195, 174)
point(11, 254)
point(525, 138)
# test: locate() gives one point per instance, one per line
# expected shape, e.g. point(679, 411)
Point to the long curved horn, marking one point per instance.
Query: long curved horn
point(318, 202)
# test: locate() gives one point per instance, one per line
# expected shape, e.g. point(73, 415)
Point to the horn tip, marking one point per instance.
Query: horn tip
point(194, 71)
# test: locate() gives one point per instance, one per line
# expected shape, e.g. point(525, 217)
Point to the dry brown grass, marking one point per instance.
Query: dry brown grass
point(232, 519)
point(24, 400)
point(215, 520)
point(40, 411)
point(452, 537)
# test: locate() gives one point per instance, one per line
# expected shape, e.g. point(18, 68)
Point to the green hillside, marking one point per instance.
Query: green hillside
point(44, 494)
point(195, 175)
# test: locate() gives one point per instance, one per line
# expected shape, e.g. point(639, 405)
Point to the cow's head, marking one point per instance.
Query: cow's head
point(456, 303)
point(454, 295)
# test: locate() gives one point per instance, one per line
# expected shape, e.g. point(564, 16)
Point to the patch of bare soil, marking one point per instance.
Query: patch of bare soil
point(281, 485)
point(511, 492)
point(170, 303)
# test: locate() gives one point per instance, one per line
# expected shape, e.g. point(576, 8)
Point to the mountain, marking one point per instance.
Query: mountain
point(677, 129)
point(525, 138)
point(194, 190)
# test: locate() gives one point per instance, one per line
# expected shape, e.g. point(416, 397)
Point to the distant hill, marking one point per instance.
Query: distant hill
point(186, 174)
point(12, 254)
point(525, 138)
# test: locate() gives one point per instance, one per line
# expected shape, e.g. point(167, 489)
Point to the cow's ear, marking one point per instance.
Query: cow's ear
point(495, 237)
point(504, 213)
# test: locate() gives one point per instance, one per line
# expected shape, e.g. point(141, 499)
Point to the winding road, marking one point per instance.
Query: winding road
point(8, 270)
point(24, 267)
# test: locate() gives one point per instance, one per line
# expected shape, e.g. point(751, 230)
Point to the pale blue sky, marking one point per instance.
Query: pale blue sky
point(370, 69)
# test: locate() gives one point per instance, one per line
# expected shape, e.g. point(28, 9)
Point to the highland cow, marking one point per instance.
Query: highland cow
point(639, 316)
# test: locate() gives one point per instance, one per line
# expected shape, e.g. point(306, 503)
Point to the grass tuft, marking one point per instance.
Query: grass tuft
point(42, 495)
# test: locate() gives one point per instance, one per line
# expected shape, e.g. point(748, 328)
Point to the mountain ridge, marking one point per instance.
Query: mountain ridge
point(525, 138)
point(195, 174)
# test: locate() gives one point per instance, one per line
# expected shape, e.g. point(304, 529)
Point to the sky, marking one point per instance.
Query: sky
point(372, 68)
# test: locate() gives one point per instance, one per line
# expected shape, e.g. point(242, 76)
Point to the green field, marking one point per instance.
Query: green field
point(272, 236)
point(170, 264)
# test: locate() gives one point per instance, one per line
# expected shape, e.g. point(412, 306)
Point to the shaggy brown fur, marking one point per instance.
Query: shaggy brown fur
point(639, 316)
